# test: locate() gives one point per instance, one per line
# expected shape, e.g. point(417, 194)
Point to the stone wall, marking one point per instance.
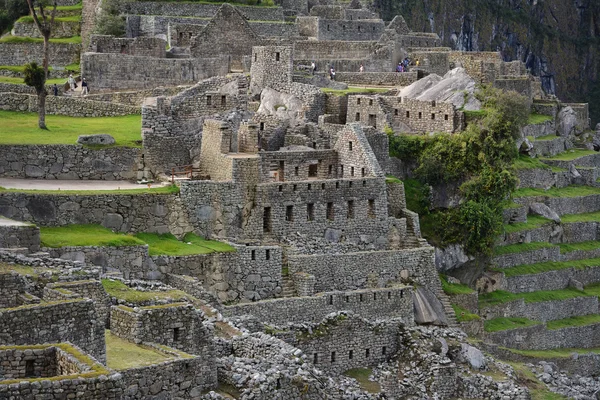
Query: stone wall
point(203, 10)
point(139, 46)
point(527, 257)
point(67, 162)
point(377, 78)
point(565, 205)
point(432, 60)
point(44, 363)
point(371, 304)
point(62, 29)
point(90, 289)
point(352, 270)
point(75, 321)
point(185, 378)
point(20, 236)
point(123, 213)
point(137, 97)
point(538, 337)
point(552, 280)
point(543, 311)
point(583, 114)
point(60, 54)
point(11, 286)
point(340, 29)
point(123, 71)
point(64, 105)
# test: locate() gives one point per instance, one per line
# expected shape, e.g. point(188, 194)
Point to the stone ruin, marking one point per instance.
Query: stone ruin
point(329, 271)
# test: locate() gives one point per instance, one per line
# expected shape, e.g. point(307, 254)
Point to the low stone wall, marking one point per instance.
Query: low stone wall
point(24, 236)
point(185, 378)
point(377, 78)
point(90, 289)
point(543, 310)
point(61, 29)
point(65, 105)
point(60, 54)
point(515, 215)
point(123, 213)
point(527, 257)
point(469, 302)
point(591, 160)
point(193, 287)
point(131, 261)
point(136, 98)
point(369, 304)
point(539, 338)
point(565, 205)
point(68, 162)
point(205, 10)
point(550, 148)
point(11, 286)
point(552, 280)
point(538, 178)
point(74, 321)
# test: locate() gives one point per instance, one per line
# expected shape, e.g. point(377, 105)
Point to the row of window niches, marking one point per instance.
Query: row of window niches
point(362, 297)
point(322, 186)
point(334, 356)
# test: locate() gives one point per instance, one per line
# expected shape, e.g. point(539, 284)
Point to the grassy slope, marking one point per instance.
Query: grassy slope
point(569, 191)
point(122, 354)
point(533, 222)
point(191, 244)
point(521, 248)
point(539, 268)
point(171, 189)
point(119, 290)
point(85, 235)
point(362, 376)
point(21, 128)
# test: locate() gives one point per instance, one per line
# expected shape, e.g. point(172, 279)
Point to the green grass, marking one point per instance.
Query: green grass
point(25, 39)
point(392, 179)
point(354, 90)
point(585, 217)
point(503, 324)
point(535, 119)
point(22, 269)
point(526, 162)
point(521, 248)
point(545, 138)
point(121, 291)
point(533, 222)
point(19, 81)
point(569, 191)
point(122, 354)
point(191, 245)
point(72, 18)
point(570, 155)
point(556, 353)
point(538, 268)
point(583, 246)
point(463, 315)
point(574, 322)
point(501, 297)
point(362, 376)
point(537, 389)
point(22, 128)
point(85, 235)
point(162, 190)
point(454, 288)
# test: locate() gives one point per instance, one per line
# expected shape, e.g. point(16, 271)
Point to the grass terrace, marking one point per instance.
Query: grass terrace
point(504, 324)
point(533, 222)
point(20, 128)
point(545, 138)
point(22, 269)
point(569, 191)
point(556, 353)
point(586, 217)
point(191, 244)
point(454, 288)
point(535, 119)
point(19, 81)
point(362, 376)
point(574, 322)
point(85, 235)
point(72, 18)
point(525, 162)
point(538, 268)
point(501, 296)
point(521, 248)
point(118, 289)
point(583, 246)
point(463, 315)
point(27, 39)
point(571, 155)
point(354, 90)
point(161, 190)
point(122, 354)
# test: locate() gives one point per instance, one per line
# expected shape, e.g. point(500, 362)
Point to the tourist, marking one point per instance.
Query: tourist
point(332, 74)
point(417, 62)
point(313, 67)
point(84, 87)
point(55, 89)
point(399, 67)
point(71, 82)
point(361, 69)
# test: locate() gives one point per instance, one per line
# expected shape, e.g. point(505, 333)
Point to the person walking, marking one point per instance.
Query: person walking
point(332, 74)
point(361, 69)
point(84, 87)
point(55, 90)
point(313, 67)
point(71, 82)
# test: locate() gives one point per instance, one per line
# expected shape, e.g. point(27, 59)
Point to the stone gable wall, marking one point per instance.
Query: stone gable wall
point(11, 286)
point(90, 289)
point(139, 46)
point(201, 10)
point(68, 162)
point(73, 321)
point(60, 54)
point(13, 236)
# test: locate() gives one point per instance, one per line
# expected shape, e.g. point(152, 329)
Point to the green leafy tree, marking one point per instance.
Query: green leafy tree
point(44, 24)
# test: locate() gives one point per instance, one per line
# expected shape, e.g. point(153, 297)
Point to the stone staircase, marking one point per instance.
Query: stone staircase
point(288, 289)
point(450, 314)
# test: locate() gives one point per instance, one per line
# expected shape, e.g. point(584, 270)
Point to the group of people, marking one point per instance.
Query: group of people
point(403, 65)
point(73, 85)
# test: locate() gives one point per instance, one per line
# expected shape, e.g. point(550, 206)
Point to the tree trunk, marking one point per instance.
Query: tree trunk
point(42, 109)
point(46, 33)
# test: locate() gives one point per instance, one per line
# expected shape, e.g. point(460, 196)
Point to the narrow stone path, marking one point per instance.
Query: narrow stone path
point(39, 184)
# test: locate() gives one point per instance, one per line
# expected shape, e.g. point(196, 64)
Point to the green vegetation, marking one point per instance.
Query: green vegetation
point(503, 324)
point(362, 376)
point(556, 353)
point(121, 291)
point(574, 321)
point(162, 190)
point(454, 288)
point(583, 246)
point(19, 81)
point(569, 191)
point(192, 244)
point(586, 217)
point(354, 90)
point(85, 235)
point(521, 248)
point(538, 390)
point(27, 39)
point(22, 269)
point(533, 222)
point(530, 269)
point(71, 18)
point(122, 354)
point(545, 138)
point(535, 119)
point(463, 315)
point(526, 162)
point(501, 297)
point(21, 128)
point(571, 155)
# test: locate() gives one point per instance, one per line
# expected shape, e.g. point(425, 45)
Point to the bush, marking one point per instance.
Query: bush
point(110, 21)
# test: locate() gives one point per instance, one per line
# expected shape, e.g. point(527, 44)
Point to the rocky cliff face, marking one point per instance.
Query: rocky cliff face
point(559, 40)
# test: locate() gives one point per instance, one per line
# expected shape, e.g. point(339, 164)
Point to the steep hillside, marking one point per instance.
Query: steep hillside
point(558, 40)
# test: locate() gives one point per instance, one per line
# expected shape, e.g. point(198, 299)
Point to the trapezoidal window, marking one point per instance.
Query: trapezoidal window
point(432, 116)
point(176, 335)
point(208, 100)
point(277, 56)
point(408, 114)
point(350, 214)
point(350, 146)
point(289, 213)
point(330, 211)
point(29, 369)
point(268, 255)
point(445, 117)
point(310, 212)
point(371, 211)
point(357, 117)
point(313, 169)
point(267, 220)
point(223, 101)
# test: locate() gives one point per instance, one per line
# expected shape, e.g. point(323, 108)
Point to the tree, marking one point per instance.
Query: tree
point(36, 79)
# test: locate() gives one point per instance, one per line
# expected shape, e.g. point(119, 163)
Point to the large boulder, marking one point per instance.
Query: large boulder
point(567, 122)
point(284, 105)
point(451, 257)
point(544, 211)
point(95, 140)
point(428, 309)
point(472, 356)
